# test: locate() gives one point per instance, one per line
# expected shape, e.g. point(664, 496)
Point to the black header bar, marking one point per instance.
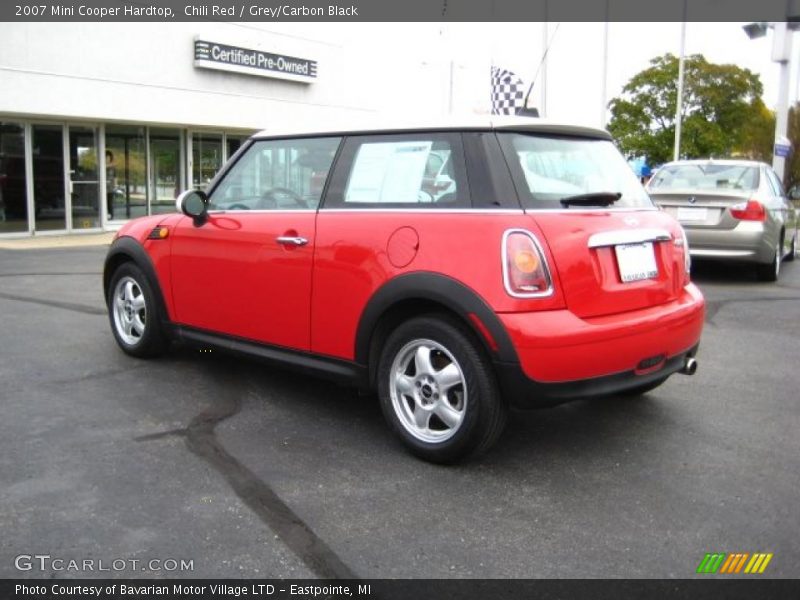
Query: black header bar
point(734, 588)
point(397, 10)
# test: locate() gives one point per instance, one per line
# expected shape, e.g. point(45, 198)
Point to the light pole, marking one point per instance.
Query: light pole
point(782, 54)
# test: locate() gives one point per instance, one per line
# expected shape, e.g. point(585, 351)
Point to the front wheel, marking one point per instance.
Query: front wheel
point(438, 391)
point(134, 314)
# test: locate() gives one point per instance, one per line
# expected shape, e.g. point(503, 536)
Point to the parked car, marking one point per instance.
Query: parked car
point(540, 273)
point(732, 210)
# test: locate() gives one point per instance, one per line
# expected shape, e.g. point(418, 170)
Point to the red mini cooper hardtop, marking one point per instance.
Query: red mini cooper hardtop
point(457, 270)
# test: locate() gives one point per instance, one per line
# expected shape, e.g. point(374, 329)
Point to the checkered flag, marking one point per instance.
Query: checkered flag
point(508, 92)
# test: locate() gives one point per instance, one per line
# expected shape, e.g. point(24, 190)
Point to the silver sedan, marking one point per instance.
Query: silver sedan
point(732, 210)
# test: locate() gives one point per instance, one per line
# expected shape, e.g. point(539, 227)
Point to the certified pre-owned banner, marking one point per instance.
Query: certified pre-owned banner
point(395, 10)
point(214, 55)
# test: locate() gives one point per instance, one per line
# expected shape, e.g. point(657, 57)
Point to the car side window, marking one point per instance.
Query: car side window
point(401, 171)
point(277, 175)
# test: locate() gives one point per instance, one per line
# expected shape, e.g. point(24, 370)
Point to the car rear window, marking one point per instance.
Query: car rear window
point(705, 177)
point(549, 169)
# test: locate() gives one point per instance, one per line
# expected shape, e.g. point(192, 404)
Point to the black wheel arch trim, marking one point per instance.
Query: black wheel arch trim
point(443, 290)
point(134, 252)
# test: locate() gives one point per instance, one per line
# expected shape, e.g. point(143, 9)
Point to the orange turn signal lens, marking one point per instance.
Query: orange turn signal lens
point(158, 233)
point(526, 261)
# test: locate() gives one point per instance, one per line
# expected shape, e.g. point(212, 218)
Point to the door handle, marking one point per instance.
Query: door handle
point(290, 240)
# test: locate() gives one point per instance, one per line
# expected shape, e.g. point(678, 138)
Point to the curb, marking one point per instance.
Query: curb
point(59, 241)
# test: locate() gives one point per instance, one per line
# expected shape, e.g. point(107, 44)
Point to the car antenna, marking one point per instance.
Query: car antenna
point(524, 108)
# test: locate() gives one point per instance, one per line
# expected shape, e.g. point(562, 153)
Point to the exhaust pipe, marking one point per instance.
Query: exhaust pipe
point(689, 367)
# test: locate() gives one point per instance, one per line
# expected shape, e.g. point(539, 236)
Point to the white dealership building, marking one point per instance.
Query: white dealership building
point(103, 122)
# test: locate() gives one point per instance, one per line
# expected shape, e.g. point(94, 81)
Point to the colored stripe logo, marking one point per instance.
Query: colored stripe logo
point(734, 562)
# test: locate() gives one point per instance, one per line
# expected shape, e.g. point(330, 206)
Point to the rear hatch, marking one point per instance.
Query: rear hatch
point(614, 251)
point(701, 209)
point(614, 261)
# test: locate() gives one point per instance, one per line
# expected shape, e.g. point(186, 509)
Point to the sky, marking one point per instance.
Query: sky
point(575, 58)
point(438, 68)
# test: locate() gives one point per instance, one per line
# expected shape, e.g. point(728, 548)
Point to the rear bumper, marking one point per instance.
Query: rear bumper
point(525, 393)
point(748, 241)
point(564, 357)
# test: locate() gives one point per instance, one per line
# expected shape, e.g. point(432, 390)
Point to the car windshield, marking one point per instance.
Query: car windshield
point(705, 176)
point(552, 170)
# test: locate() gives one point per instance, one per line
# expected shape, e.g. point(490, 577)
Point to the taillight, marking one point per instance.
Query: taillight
point(525, 271)
point(683, 242)
point(753, 210)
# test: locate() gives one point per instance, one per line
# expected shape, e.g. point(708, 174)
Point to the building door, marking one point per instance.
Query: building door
point(49, 189)
point(206, 153)
point(13, 179)
point(126, 172)
point(165, 169)
point(84, 179)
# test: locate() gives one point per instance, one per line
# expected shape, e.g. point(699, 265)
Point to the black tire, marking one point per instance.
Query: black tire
point(771, 271)
point(642, 389)
point(145, 337)
point(793, 251)
point(475, 400)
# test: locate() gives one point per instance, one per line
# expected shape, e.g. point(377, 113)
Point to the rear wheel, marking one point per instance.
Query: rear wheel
point(793, 250)
point(771, 271)
point(134, 314)
point(437, 390)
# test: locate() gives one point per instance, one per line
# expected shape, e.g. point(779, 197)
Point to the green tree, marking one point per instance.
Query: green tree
point(720, 105)
point(758, 134)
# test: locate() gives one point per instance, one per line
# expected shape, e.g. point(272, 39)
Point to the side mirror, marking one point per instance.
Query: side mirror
point(193, 203)
point(794, 193)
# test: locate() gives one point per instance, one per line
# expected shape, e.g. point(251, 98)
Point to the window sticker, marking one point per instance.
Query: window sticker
point(388, 172)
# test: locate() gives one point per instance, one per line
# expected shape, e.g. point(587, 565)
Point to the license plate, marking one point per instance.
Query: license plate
point(692, 215)
point(636, 262)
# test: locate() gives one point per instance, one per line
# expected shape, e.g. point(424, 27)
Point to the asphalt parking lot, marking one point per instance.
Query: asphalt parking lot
point(248, 471)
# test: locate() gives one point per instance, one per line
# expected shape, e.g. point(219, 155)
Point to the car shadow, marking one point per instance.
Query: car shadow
point(705, 271)
point(355, 421)
point(593, 425)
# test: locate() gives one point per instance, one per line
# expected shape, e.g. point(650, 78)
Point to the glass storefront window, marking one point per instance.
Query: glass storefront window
point(206, 159)
point(144, 168)
point(233, 143)
point(13, 195)
point(165, 169)
point(126, 172)
point(48, 178)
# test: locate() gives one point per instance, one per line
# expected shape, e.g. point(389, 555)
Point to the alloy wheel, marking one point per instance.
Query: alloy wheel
point(130, 311)
point(428, 390)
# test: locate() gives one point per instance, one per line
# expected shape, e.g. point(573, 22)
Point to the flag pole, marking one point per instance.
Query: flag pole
point(679, 104)
point(605, 69)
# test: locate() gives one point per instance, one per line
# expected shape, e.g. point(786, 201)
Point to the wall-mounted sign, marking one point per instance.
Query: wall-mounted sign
point(223, 57)
point(783, 147)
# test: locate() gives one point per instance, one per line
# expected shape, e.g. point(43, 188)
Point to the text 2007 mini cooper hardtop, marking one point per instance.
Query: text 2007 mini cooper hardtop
point(457, 270)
